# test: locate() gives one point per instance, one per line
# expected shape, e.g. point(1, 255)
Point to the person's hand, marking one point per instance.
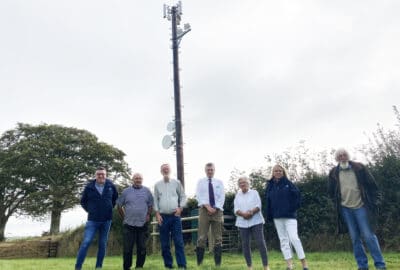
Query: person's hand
point(159, 219)
point(246, 215)
point(250, 213)
point(147, 217)
point(178, 212)
point(210, 210)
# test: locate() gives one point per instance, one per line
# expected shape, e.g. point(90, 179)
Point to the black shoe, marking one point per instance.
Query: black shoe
point(218, 255)
point(199, 255)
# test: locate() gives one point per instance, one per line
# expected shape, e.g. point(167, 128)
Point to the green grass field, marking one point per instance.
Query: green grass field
point(317, 261)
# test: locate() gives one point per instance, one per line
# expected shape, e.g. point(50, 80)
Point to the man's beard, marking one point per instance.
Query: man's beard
point(344, 165)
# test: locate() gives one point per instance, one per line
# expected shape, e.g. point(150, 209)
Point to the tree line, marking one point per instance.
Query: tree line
point(43, 169)
point(309, 171)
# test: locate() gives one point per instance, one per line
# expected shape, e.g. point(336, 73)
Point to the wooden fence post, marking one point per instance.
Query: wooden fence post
point(154, 238)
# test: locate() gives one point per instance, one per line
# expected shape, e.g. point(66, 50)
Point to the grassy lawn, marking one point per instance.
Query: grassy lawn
point(320, 261)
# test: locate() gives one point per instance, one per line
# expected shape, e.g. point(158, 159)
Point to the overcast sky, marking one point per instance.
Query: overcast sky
point(258, 76)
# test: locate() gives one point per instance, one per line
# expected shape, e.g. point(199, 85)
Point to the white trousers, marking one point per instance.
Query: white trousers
point(287, 233)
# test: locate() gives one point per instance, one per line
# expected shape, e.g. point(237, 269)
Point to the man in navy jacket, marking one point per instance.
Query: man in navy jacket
point(98, 200)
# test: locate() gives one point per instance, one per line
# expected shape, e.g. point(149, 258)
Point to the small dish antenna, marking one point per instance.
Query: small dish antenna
point(167, 141)
point(171, 126)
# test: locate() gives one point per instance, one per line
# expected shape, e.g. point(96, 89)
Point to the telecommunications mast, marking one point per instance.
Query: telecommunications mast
point(173, 14)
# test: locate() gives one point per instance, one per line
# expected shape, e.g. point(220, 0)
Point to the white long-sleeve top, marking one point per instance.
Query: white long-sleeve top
point(245, 202)
point(202, 192)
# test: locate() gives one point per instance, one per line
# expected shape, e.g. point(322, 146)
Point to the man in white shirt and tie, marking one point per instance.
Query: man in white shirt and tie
point(210, 195)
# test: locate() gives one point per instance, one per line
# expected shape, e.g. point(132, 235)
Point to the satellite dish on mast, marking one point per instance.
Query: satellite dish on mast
point(171, 126)
point(167, 141)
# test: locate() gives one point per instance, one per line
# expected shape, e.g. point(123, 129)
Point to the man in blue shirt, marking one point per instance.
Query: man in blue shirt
point(134, 206)
point(98, 200)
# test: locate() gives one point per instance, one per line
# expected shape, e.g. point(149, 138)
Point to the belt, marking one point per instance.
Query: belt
point(173, 214)
point(206, 208)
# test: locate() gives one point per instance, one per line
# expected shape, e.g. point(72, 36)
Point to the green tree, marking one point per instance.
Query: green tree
point(383, 154)
point(383, 143)
point(15, 183)
point(59, 160)
point(300, 161)
point(233, 180)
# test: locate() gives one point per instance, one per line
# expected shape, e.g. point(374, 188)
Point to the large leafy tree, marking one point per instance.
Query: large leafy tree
point(383, 154)
point(16, 185)
point(57, 161)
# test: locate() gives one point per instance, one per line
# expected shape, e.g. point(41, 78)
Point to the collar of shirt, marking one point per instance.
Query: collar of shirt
point(345, 169)
point(99, 185)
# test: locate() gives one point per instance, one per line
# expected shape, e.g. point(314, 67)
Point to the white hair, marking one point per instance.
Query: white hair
point(245, 178)
point(341, 151)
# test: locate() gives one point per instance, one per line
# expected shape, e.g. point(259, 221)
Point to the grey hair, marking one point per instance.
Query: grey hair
point(210, 164)
point(137, 174)
point(341, 151)
point(243, 177)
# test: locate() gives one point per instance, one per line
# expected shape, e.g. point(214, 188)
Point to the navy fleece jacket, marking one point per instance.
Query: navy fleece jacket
point(282, 198)
point(99, 206)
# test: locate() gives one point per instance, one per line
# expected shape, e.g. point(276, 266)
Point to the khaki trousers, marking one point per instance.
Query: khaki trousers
point(205, 222)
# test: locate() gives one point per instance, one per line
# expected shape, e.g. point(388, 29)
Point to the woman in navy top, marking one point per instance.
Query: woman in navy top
point(283, 200)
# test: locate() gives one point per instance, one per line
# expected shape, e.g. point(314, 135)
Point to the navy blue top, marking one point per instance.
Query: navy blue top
point(282, 198)
point(99, 206)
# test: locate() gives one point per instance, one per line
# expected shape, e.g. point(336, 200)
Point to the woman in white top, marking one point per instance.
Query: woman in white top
point(247, 207)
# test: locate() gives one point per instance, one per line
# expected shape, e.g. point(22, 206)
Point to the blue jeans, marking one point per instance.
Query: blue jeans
point(91, 227)
point(358, 225)
point(172, 226)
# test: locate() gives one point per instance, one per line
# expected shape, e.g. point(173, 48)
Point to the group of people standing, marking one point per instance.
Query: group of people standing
point(351, 187)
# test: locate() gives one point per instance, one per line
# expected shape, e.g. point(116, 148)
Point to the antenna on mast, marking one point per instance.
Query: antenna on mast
point(174, 13)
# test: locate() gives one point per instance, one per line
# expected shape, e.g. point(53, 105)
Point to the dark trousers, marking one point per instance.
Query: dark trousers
point(172, 226)
point(134, 235)
point(258, 234)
